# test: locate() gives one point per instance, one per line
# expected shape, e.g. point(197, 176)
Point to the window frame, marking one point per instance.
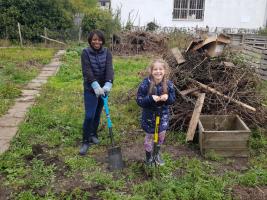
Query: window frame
point(188, 10)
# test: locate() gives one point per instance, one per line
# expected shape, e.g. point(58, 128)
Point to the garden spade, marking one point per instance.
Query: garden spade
point(114, 153)
point(156, 139)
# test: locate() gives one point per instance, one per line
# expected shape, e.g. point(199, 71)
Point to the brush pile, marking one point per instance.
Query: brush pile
point(138, 42)
point(235, 88)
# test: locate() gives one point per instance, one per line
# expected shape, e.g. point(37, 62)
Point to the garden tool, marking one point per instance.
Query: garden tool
point(114, 153)
point(156, 146)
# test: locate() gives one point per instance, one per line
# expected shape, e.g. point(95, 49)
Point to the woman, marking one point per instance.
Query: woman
point(98, 76)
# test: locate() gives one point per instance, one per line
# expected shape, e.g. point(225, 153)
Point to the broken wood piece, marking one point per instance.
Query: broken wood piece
point(178, 56)
point(52, 40)
point(188, 91)
point(195, 117)
point(212, 90)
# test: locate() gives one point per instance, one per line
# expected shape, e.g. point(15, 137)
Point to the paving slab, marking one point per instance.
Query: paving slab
point(47, 73)
point(10, 121)
point(19, 109)
point(4, 145)
point(39, 80)
point(8, 132)
point(33, 85)
point(29, 92)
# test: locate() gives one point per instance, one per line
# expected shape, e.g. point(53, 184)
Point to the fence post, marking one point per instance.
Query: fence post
point(45, 34)
point(80, 34)
point(20, 37)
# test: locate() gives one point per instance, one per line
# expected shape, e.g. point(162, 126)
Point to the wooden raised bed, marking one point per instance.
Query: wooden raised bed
point(226, 135)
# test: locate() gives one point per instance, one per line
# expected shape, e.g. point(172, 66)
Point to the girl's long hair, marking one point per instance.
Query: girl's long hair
point(165, 77)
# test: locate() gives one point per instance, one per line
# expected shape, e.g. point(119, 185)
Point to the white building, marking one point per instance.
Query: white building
point(248, 14)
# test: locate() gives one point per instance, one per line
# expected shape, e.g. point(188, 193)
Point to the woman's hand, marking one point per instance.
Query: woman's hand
point(156, 98)
point(164, 97)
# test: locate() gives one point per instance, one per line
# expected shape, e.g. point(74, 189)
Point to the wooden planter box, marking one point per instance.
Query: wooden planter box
point(226, 135)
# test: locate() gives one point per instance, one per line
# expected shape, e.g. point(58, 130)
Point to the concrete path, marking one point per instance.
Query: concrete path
point(10, 121)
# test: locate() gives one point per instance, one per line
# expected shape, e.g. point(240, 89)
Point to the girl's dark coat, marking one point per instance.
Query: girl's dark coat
point(151, 108)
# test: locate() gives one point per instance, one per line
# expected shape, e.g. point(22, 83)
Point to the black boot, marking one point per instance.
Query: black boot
point(149, 158)
point(84, 148)
point(158, 158)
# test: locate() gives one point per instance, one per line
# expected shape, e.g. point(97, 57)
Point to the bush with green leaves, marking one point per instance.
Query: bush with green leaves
point(34, 16)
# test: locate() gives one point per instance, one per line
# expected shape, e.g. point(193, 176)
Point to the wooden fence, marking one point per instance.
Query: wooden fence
point(255, 53)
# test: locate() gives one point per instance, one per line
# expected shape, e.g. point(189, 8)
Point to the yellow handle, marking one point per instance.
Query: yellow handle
point(156, 135)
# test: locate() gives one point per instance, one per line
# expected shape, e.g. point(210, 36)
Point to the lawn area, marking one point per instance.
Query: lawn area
point(17, 67)
point(43, 160)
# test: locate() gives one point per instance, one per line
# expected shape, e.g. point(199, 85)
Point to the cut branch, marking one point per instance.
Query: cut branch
point(212, 90)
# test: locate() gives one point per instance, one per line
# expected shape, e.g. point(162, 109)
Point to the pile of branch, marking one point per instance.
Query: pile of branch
point(139, 42)
point(229, 89)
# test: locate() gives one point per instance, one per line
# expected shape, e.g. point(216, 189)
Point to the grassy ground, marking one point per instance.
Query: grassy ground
point(43, 161)
point(17, 67)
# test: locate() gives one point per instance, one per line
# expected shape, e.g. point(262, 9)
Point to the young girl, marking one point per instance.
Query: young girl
point(154, 95)
point(98, 75)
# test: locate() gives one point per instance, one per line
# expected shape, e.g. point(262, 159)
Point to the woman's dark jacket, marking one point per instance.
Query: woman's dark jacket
point(96, 66)
point(151, 108)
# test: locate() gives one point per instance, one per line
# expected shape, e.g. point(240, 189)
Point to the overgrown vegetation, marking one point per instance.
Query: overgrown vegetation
point(56, 16)
point(17, 67)
point(43, 160)
point(34, 16)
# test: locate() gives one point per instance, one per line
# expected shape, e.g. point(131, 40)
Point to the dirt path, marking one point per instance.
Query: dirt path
point(10, 121)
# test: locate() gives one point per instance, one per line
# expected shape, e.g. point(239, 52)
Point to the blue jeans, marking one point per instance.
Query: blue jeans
point(93, 107)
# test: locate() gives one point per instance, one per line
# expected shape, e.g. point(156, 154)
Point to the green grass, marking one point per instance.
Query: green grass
point(17, 67)
point(57, 172)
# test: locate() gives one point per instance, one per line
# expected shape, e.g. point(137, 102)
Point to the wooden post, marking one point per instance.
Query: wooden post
point(195, 117)
point(20, 37)
point(45, 34)
point(80, 34)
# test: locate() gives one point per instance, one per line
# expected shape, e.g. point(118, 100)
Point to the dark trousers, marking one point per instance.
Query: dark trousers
point(93, 107)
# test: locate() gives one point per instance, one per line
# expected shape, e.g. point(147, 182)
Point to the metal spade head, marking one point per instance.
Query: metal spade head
point(115, 161)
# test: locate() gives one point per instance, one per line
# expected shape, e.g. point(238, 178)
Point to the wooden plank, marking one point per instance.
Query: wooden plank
point(195, 117)
point(251, 48)
point(261, 72)
point(263, 67)
point(226, 136)
point(178, 56)
point(225, 144)
point(253, 64)
point(228, 153)
point(263, 77)
point(52, 40)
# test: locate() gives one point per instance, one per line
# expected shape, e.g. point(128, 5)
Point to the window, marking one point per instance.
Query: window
point(102, 3)
point(188, 9)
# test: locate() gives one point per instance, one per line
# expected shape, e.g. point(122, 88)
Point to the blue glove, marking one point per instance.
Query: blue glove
point(97, 89)
point(107, 87)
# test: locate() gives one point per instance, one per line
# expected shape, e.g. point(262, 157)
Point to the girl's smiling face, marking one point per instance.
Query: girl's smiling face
point(158, 72)
point(96, 42)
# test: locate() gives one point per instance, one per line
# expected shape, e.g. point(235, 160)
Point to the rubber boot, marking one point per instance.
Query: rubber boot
point(84, 148)
point(94, 139)
point(149, 158)
point(158, 158)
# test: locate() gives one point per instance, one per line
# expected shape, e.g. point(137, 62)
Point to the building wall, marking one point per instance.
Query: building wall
point(218, 13)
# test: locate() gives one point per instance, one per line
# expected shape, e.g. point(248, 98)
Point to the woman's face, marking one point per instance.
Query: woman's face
point(158, 72)
point(96, 42)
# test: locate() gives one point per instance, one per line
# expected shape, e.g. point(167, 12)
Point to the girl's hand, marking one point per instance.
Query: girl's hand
point(164, 97)
point(156, 98)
